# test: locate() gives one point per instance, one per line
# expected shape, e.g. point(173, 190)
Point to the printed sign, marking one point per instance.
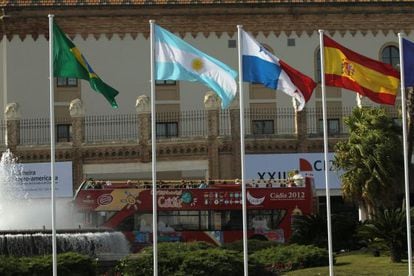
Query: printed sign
point(36, 179)
point(277, 166)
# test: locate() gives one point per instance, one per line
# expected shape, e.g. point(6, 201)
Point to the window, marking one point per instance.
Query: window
point(391, 56)
point(263, 127)
point(167, 129)
point(63, 132)
point(318, 65)
point(261, 220)
point(165, 82)
point(184, 220)
point(333, 126)
point(232, 43)
point(67, 82)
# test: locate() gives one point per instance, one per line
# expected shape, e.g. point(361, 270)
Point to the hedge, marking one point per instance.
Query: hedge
point(68, 264)
point(201, 259)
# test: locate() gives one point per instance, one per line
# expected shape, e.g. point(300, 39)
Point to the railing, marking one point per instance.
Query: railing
point(335, 121)
point(274, 122)
point(37, 131)
point(261, 122)
point(96, 184)
point(224, 122)
point(120, 127)
point(270, 122)
point(182, 124)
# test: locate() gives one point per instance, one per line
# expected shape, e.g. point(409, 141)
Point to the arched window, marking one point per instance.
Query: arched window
point(390, 55)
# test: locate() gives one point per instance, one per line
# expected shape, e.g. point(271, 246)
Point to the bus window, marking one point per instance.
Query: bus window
point(263, 220)
point(232, 220)
point(277, 217)
point(127, 224)
point(216, 222)
point(143, 222)
point(103, 217)
point(181, 220)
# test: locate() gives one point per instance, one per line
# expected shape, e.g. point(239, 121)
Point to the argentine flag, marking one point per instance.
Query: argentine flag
point(261, 66)
point(177, 60)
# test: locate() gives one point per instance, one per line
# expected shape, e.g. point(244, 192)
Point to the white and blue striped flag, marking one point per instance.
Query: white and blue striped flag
point(261, 66)
point(177, 60)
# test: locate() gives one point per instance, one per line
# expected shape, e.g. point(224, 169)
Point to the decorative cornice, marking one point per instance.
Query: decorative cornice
point(291, 18)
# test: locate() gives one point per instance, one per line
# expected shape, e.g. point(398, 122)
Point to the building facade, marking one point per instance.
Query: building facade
point(196, 139)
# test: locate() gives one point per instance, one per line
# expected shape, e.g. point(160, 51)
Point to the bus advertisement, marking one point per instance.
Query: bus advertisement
point(192, 212)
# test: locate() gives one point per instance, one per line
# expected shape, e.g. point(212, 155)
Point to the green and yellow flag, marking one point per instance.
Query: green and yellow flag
point(69, 62)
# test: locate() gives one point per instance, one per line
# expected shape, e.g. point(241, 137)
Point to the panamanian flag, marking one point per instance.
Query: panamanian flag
point(261, 66)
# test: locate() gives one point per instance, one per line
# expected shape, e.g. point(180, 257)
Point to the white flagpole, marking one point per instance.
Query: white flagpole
point(52, 144)
point(325, 147)
point(4, 64)
point(359, 100)
point(243, 180)
point(405, 148)
point(5, 88)
point(154, 153)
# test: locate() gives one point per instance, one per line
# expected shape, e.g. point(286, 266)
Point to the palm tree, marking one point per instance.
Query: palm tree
point(388, 226)
point(312, 230)
point(371, 159)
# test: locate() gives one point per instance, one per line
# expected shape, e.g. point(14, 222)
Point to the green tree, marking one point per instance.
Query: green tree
point(388, 226)
point(371, 158)
point(312, 230)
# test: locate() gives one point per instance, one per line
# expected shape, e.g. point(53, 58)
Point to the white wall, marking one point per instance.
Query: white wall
point(124, 64)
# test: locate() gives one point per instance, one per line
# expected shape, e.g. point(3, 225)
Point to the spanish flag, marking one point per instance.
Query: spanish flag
point(347, 69)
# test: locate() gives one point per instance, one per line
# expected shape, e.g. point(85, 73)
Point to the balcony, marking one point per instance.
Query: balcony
point(276, 123)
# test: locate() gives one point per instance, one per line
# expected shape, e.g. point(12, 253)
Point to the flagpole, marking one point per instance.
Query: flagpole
point(359, 100)
point(154, 154)
point(52, 145)
point(325, 147)
point(5, 89)
point(405, 148)
point(242, 128)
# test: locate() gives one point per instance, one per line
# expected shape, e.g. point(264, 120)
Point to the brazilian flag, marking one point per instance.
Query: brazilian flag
point(69, 62)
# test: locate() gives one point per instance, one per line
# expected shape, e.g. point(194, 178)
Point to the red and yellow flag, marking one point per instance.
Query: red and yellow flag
point(347, 69)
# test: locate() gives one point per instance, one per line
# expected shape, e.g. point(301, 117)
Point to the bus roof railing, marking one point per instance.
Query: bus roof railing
point(188, 183)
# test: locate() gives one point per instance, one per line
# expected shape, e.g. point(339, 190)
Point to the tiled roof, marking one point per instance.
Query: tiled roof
point(60, 3)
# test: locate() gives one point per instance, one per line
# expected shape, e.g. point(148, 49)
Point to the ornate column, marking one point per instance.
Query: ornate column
point(212, 105)
point(235, 138)
point(12, 116)
point(301, 130)
point(143, 108)
point(77, 113)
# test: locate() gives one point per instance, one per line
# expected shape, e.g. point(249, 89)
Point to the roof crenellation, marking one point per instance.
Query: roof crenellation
point(65, 3)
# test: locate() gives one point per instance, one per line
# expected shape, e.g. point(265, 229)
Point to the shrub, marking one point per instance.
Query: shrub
point(290, 257)
point(188, 259)
point(214, 261)
point(67, 264)
point(170, 257)
point(252, 245)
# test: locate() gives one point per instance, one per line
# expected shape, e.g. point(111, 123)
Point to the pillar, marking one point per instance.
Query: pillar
point(212, 105)
point(77, 114)
point(143, 108)
point(12, 116)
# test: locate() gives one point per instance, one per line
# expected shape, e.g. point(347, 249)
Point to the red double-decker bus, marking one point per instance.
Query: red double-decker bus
point(193, 212)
